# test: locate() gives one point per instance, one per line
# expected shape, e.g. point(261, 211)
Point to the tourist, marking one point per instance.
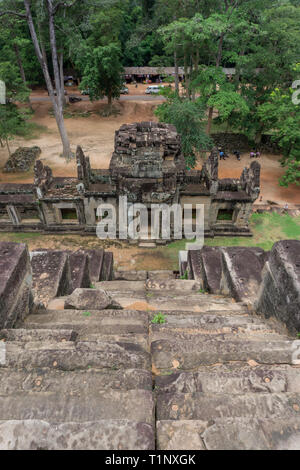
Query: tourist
point(253, 154)
point(257, 154)
point(237, 153)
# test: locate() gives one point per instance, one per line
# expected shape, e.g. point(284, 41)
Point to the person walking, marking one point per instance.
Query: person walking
point(252, 154)
point(237, 153)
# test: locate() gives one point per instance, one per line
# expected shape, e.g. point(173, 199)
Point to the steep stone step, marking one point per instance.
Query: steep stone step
point(51, 275)
point(159, 333)
point(73, 382)
point(188, 355)
point(130, 275)
point(93, 405)
point(214, 324)
point(207, 407)
point(222, 379)
point(161, 275)
point(93, 321)
point(133, 338)
point(95, 435)
point(80, 272)
point(48, 334)
point(121, 286)
point(173, 301)
point(172, 285)
point(73, 356)
point(230, 434)
point(253, 434)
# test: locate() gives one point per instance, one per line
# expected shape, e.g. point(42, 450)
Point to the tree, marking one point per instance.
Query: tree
point(281, 116)
point(12, 120)
point(102, 71)
point(50, 10)
point(189, 119)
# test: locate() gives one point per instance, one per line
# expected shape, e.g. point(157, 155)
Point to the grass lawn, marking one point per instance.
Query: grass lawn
point(267, 229)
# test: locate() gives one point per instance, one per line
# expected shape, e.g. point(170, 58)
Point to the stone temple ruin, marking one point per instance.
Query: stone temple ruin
point(204, 358)
point(148, 167)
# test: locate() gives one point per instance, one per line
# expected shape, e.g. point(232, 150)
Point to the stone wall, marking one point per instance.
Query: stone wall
point(279, 295)
point(15, 284)
point(232, 142)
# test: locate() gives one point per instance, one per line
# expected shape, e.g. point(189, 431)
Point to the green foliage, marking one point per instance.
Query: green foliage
point(102, 71)
point(281, 116)
point(159, 319)
point(185, 276)
point(189, 119)
point(12, 122)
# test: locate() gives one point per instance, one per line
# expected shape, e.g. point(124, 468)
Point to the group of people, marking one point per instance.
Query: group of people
point(237, 153)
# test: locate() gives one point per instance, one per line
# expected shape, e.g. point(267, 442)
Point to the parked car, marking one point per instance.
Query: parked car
point(124, 91)
point(153, 89)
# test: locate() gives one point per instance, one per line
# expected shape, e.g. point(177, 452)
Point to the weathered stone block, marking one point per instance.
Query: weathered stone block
point(90, 299)
point(241, 272)
point(15, 284)
point(51, 275)
point(279, 294)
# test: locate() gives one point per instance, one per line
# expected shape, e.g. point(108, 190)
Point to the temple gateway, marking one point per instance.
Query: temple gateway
point(148, 167)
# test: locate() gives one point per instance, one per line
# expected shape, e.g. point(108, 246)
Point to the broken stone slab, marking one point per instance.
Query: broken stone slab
point(96, 435)
point(90, 299)
point(205, 407)
point(80, 271)
point(222, 379)
point(279, 295)
point(15, 284)
point(51, 275)
point(242, 272)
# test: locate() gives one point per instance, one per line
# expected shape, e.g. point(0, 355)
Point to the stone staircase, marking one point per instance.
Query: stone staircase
point(213, 375)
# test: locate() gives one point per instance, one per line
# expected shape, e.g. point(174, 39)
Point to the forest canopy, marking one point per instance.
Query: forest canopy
point(43, 40)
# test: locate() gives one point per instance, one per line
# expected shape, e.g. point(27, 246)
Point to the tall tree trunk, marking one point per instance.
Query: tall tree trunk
point(20, 63)
point(9, 152)
point(218, 63)
point(61, 71)
point(109, 101)
point(176, 72)
point(57, 108)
